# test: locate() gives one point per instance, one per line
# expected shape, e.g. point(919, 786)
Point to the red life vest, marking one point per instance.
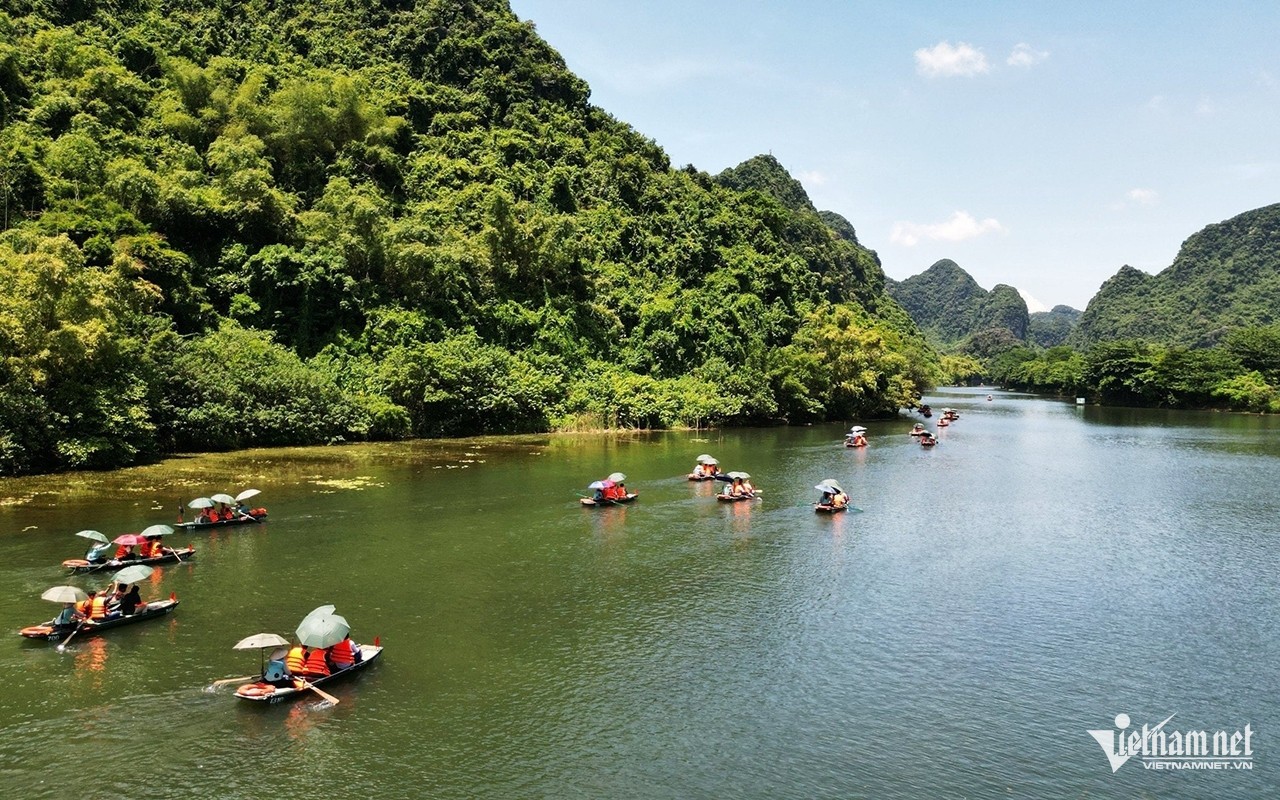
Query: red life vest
point(316, 664)
point(122, 551)
point(343, 655)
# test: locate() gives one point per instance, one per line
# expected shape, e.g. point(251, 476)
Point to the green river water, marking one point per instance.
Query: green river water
point(1042, 570)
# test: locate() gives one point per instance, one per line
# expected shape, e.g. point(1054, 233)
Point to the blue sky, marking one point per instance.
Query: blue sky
point(1037, 144)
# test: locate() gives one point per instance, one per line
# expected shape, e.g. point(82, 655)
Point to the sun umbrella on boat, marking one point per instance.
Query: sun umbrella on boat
point(129, 539)
point(857, 429)
point(616, 477)
point(201, 502)
point(133, 574)
point(704, 458)
point(94, 536)
point(247, 493)
point(829, 485)
point(222, 498)
point(324, 630)
point(709, 461)
point(596, 485)
point(260, 642)
point(744, 475)
point(155, 530)
point(319, 611)
point(64, 594)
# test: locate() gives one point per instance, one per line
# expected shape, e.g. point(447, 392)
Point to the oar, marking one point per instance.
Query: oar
point(225, 681)
point(63, 646)
point(307, 684)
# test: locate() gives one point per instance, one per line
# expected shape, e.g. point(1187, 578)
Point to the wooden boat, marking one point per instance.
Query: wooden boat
point(926, 412)
point(827, 508)
point(52, 633)
point(589, 501)
point(928, 441)
point(81, 565)
point(264, 691)
point(918, 431)
point(944, 422)
point(733, 498)
point(693, 477)
point(255, 516)
point(852, 443)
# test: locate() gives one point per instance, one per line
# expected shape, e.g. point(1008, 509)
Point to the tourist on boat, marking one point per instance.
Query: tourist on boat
point(97, 606)
point(316, 666)
point(699, 471)
point(296, 660)
point(600, 496)
point(826, 498)
point(97, 553)
point(205, 517)
point(85, 606)
point(748, 488)
point(125, 551)
point(242, 510)
point(620, 490)
point(839, 500)
point(130, 601)
point(917, 429)
point(344, 654)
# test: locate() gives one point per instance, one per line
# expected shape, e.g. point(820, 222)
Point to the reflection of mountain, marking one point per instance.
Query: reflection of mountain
point(1226, 276)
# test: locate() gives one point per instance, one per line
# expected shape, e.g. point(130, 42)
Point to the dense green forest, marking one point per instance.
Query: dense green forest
point(958, 314)
point(1226, 276)
point(260, 223)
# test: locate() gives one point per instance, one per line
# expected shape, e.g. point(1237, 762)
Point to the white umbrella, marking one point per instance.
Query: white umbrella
point(318, 612)
point(222, 498)
point(64, 594)
point(156, 530)
point(201, 502)
point(616, 477)
point(857, 429)
point(706, 459)
point(94, 536)
point(261, 640)
point(133, 574)
point(247, 493)
point(323, 631)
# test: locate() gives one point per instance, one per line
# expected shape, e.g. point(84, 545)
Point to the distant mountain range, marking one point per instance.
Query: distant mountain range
point(1226, 276)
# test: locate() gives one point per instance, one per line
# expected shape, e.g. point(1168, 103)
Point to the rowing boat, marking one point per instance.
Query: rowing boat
point(81, 565)
point(693, 477)
point(263, 691)
point(253, 517)
point(733, 498)
point(58, 633)
point(613, 501)
point(826, 508)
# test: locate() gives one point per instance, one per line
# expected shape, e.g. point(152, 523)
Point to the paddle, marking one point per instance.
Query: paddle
point(63, 646)
point(318, 691)
point(225, 681)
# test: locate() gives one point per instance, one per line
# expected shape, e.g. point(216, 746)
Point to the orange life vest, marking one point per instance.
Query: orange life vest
point(343, 656)
point(295, 661)
point(316, 665)
point(84, 606)
point(122, 551)
point(98, 609)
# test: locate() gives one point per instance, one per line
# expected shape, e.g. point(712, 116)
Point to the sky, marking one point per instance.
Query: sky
point(1037, 144)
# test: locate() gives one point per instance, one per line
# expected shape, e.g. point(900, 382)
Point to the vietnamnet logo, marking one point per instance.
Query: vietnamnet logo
point(1159, 748)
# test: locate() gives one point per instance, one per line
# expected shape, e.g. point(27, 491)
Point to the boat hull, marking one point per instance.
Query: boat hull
point(223, 523)
point(827, 509)
point(588, 501)
point(262, 692)
point(53, 633)
point(80, 565)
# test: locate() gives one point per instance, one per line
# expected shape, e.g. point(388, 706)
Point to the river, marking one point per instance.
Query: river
point(1044, 569)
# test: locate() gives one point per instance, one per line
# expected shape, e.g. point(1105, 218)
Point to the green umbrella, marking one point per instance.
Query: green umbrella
point(321, 611)
point(152, 531)
point(64, 594)
point(323, 631)
point(133, 574)
point(94, 536)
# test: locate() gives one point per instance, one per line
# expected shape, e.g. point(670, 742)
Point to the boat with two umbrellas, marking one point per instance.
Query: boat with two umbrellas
point(856, 437)
point(323, 636)
point(706, 468)
point(834, 499)
point(222, 510)
point(611, 491)
point(151, 550)
point(738, 488)
point(75, 620)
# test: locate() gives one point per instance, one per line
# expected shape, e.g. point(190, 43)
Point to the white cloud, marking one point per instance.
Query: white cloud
point(1033, 305)
point(1205, 107)
point(813, 178)
point(1024, 55)
point(944, 61)
point(1143, 197)
point(958, 228)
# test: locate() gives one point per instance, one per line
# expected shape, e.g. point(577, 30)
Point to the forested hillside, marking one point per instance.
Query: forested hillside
point(956, 313)
point(1053, 327)
point(233, 224)
point(1225, 277)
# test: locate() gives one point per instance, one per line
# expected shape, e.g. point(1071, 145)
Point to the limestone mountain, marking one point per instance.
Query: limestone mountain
point(951, 308)
point(1225, 277)
point(1052, 328)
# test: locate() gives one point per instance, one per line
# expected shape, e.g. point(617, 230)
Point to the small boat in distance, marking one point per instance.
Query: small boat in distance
point(918, 429)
